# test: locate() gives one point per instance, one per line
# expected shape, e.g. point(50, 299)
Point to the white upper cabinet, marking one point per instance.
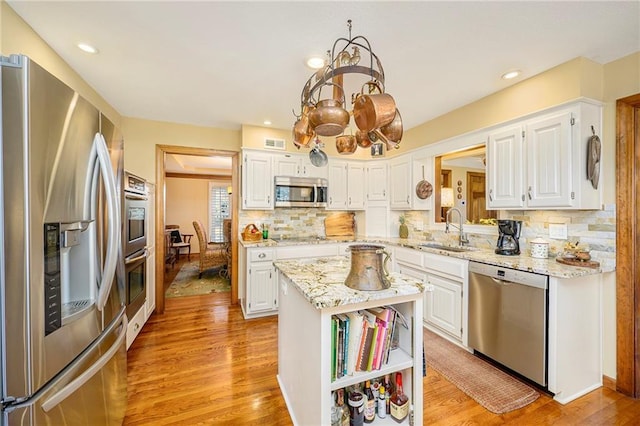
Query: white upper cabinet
point(548, 143)
point(400, 182)
point(355, 186)
point(505, 168)
point(337, 181)
point(540, 163)
point(257, 181)
point(297, 165)
point(346, 185)
point(377, 181)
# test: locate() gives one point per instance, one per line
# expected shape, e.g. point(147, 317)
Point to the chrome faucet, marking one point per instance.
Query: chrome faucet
point(463, 237)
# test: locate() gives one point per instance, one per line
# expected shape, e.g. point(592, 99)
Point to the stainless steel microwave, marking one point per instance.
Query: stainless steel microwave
point(300, 192)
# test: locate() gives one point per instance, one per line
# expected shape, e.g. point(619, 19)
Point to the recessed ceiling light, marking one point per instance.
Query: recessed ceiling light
point(315, 62)
point(510, 74)
point(87, 48)
point(267, 123)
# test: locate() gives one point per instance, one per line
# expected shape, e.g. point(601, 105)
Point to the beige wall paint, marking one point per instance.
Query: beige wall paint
point(19, 38)
point(253, 137)
point(188, 200)
point(142, 136)
point(566, 82)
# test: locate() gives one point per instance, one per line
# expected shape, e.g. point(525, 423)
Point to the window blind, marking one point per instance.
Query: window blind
point(218, 211)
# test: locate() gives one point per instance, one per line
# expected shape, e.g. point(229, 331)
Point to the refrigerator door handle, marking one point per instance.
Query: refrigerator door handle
point(76, 383)
point(113, 241)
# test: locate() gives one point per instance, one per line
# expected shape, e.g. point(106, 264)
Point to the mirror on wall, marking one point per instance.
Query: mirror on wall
point(460, 179)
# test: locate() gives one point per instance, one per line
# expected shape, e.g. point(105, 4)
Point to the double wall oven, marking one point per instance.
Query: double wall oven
point(135, 242)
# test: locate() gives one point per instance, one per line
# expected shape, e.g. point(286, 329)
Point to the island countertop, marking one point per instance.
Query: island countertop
point(321, 282)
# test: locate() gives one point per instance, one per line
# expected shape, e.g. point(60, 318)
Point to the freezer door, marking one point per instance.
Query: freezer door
point(90, 391)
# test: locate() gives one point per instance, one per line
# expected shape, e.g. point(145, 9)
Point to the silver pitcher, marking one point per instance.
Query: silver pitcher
point(368, 268)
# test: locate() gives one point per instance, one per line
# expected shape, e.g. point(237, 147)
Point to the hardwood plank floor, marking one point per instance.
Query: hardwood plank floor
point(202, 363)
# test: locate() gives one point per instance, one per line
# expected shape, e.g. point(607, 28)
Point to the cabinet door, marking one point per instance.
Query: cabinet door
point(355, 186)
point(549, 162)
point(400, 183)
point(377, 181)
point(262, 292)
point(337, 185)
point(257, 181)
point(505, 164)
point(443, 305)
point(309, 170)
point(287, 165)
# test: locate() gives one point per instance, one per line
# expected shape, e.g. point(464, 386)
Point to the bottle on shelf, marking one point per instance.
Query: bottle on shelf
point(388, 391)
point(356, 408)
point(342, 408)
point(370, 404)
point(382, 403)
point(399, 401)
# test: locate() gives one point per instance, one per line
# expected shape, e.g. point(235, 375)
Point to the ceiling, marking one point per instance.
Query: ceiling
point(224, 64)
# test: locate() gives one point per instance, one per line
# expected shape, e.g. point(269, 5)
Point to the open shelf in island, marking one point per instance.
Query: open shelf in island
point(304, 350)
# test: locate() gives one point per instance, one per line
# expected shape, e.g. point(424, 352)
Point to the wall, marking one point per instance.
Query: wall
point(16, 37)
point(253, 137)
point(142, 136)
point(566, 82)
point(188, 200)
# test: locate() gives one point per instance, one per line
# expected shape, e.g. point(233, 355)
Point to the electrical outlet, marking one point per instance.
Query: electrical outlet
point(418, 225)
point(558, 231)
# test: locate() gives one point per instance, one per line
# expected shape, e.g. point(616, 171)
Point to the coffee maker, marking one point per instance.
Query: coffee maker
point(508, 235)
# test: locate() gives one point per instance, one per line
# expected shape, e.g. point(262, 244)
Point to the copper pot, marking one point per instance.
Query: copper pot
point(346, 144)
point(374, 110)
point(329, 118)
point(393, 131)
point(302, 133)
point(368, 268)
point(362, 139)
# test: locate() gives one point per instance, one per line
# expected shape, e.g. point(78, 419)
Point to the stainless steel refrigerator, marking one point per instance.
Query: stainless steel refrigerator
point(62, 310)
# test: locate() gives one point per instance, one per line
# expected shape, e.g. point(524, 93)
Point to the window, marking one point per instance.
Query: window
point(219, 209)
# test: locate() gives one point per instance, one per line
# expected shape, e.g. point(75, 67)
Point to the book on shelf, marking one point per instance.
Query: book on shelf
point(334, 338)
point(362, 340)
point(355, 335)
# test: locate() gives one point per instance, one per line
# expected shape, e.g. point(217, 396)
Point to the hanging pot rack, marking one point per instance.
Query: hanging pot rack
point(341, 62)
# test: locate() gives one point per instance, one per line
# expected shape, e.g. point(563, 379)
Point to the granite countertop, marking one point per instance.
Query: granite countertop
point(321, 282)
point(521, 262)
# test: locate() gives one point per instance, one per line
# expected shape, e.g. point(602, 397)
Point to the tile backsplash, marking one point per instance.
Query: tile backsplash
point(594, 230)
point(287, 223)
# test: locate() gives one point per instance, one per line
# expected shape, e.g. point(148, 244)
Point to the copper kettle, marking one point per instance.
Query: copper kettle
point(368, 268)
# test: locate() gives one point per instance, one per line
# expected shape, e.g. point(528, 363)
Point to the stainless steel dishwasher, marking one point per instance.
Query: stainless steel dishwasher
point(508, 312)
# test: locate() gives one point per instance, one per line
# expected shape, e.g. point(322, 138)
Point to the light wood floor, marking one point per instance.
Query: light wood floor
point(202, 363)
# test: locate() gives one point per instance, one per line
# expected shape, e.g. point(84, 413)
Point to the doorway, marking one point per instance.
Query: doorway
point(476, 199)
point(627, 246)
point(161, 155)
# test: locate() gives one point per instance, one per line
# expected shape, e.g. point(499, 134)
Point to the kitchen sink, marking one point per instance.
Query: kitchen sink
point(439, 246)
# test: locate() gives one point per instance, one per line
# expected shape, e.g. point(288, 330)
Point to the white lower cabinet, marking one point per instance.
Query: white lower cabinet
point(443, 304)
point(446, 281)
point(258, 280)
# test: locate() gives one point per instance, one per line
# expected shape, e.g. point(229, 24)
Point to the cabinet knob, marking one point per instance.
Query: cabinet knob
point(407, 199)
point(529, 193)
point(491, 195)
point(262, 255)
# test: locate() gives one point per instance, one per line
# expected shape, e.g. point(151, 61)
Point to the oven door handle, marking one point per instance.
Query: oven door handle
point(130, 260)
point(113, 220)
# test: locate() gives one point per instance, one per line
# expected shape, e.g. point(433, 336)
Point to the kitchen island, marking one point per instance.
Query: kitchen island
point(311, 291)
